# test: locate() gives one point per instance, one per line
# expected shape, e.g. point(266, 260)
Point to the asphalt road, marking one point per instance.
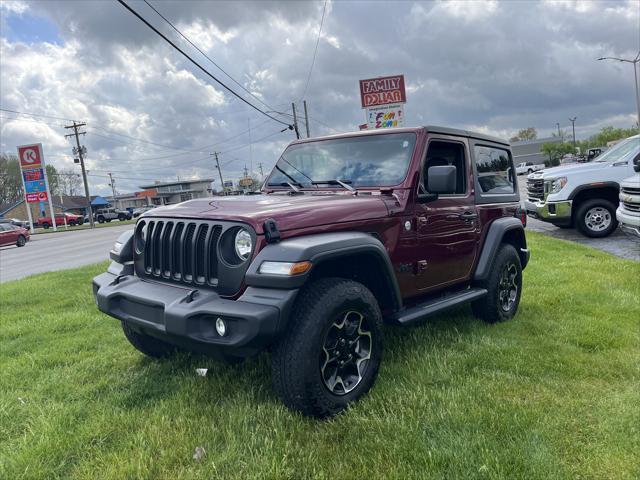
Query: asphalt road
point(57, 251)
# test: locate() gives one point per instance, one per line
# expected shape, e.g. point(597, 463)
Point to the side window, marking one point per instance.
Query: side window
point(495, 173)
point(442, 153)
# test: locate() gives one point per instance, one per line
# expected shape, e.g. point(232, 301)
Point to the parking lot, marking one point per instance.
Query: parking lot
point(617, 244)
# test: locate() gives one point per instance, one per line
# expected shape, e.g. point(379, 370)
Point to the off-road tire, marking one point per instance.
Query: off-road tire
point(150, 346)
point(45, 225)
point(298, 358)
point(100, 219)
point(489, 307)
point(588, 205)
point(122, 218)
point(21, 241)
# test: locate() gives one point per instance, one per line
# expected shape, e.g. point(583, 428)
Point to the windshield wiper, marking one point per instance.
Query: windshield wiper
point(342, 183)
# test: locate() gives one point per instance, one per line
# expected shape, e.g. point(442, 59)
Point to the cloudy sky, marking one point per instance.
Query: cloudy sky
point(489, 66)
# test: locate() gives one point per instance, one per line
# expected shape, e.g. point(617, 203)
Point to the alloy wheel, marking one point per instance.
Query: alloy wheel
point(508, 288)
point(346, 353)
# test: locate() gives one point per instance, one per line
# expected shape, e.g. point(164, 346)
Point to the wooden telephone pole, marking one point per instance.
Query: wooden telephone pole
point(77, 134)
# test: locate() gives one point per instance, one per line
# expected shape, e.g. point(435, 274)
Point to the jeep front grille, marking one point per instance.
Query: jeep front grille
point(535, 188)
point(185, 252)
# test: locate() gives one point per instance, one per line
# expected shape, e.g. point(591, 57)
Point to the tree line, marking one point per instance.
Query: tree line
point(61, 182)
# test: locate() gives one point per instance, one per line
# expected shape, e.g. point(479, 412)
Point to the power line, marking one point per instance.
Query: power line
point(36, 115)
point(205, 55)
point(315, 51)
point(143, 20)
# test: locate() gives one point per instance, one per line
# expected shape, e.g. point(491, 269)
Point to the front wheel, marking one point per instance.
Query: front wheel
point(21, 241)
point(121, 218)
point(100, 219)
point(45, 225)
point(331, 354)
point(530, 171)
point(503, 285)
point(596, 218)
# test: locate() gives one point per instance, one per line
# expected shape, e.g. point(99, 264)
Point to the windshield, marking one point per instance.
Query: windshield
point(620, 150)
point(368, 161)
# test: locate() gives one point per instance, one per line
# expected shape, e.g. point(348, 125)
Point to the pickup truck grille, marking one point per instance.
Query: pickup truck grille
point(633, 207)
point(535, 188)
point(184, 252)
point(631, 190)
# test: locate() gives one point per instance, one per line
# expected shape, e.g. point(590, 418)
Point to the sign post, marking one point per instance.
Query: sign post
point(34, 179)
point(384, 99)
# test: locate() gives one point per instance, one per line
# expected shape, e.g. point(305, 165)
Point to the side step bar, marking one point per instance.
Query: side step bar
point(423, 310)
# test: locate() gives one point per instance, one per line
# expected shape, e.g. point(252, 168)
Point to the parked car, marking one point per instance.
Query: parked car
point(13, 235)
point(628, 212)
point(528, 167)
point(17, 222)
point(71, 220)
point(349, 230)
point(139, 211)
point(107, 214)
point(583, 195)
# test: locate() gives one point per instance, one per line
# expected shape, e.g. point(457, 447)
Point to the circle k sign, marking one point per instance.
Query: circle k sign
point(30, 156)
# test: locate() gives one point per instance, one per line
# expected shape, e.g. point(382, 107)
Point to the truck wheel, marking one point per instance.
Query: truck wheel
point(150, 346)
point(121, 218)
point(530, 171)
point(45, 225)
point(596, 218)
point(72, 223)
point(108, 220)
point(100, 219)
point(21, 241)
point(504, 286)
point(332, 350)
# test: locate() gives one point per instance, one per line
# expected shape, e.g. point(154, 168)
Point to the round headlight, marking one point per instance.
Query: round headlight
point(243, 244)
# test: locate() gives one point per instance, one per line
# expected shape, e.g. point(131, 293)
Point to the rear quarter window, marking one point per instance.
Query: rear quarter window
point(494, 171)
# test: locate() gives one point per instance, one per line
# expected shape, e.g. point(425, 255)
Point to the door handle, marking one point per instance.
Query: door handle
point(468, 216)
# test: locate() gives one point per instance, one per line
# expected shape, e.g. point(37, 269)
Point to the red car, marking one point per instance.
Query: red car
point(13, 235)
point(72, 220)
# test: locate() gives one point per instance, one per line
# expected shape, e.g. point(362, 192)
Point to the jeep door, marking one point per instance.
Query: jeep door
point(447, 228)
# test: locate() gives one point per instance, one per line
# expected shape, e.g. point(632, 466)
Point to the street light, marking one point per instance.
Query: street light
point(573, 127)
point(635, 76)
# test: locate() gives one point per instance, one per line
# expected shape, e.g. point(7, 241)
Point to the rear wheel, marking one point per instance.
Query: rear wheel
point(150, 346)
point(21, 241)
point(504, 287)
point(596, 218)
point(121, 217)
point(100, 219)
point(530, 171)
point(45, 225)
point(332, 350)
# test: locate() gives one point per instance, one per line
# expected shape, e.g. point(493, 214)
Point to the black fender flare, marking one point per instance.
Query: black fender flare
point(318, 248)
point(494, 238)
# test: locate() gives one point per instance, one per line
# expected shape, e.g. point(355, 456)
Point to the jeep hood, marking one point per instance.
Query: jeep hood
point(289, 211)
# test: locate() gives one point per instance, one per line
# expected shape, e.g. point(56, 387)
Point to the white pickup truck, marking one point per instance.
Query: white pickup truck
point(583, 195)
point(528, 167)
point(628, 213)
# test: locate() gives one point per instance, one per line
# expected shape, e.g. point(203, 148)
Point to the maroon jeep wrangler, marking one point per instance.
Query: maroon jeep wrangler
point(349, 231)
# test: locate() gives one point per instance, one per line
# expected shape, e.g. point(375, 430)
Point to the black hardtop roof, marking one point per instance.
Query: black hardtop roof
point(429, 129)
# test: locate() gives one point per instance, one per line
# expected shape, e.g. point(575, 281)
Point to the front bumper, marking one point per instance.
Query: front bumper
point(629, 224)
point(186, 317)
point(558, 213)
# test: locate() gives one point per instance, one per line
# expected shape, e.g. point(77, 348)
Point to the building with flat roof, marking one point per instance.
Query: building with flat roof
point(529, 150)
point(167, 193)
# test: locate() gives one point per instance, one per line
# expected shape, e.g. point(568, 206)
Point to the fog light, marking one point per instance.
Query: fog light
point(221, 327)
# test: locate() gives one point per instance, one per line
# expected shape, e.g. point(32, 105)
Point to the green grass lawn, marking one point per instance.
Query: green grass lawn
point(554, 393)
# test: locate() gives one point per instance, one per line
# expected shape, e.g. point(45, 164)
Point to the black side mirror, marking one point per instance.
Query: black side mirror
point(441, 179)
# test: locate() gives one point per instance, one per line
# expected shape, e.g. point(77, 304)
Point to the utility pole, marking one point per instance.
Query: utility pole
point(261, 172)
point(77, 134)
point(295, 121)
point(573, 127)
point(113, 189)
point(633, 62)
point(215, 154)
point(559, 134)
point(306, 117)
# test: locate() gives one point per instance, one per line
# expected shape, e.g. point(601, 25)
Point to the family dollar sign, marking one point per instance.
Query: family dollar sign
point(382, 91)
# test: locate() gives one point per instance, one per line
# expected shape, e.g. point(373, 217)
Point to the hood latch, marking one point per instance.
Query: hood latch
point(271, 232)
